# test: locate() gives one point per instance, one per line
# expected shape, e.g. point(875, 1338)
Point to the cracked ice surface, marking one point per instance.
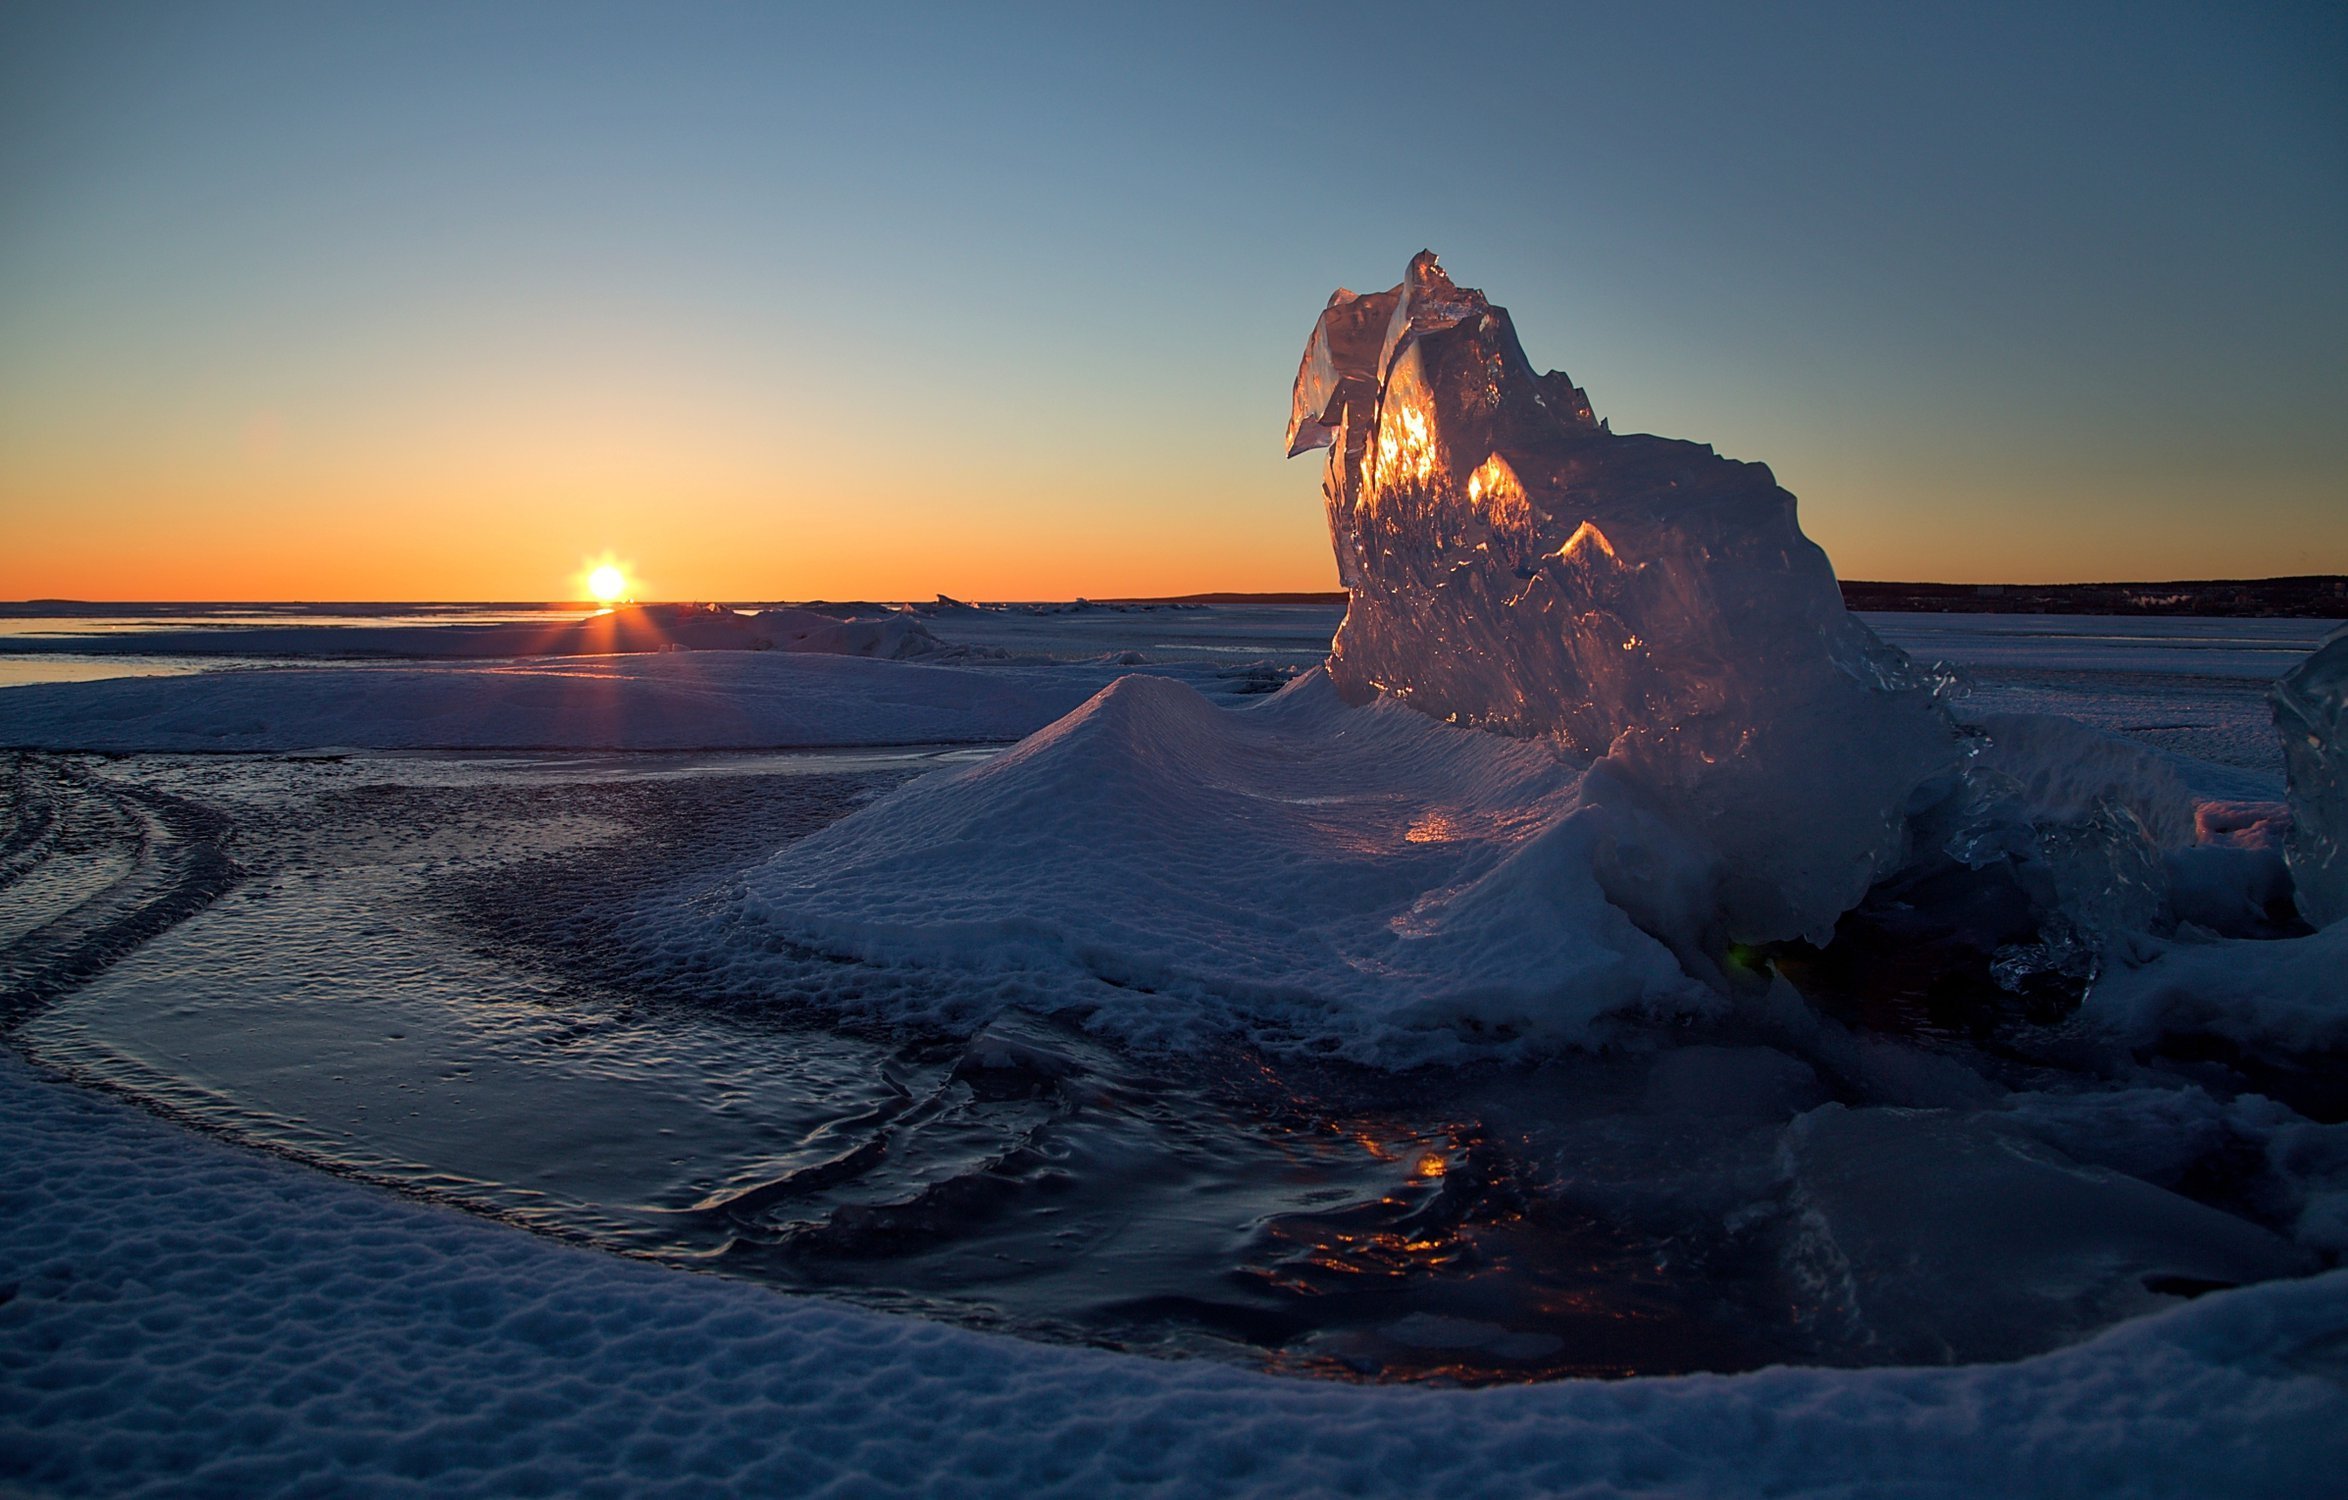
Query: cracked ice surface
point(1515, 565)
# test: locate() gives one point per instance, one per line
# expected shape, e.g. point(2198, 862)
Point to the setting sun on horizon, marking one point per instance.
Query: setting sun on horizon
point(606, 584)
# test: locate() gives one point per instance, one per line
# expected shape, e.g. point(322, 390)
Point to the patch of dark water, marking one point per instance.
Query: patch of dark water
point(423, 976)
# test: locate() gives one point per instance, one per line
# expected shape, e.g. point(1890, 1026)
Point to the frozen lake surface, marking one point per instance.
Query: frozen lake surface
point(448, 971)
point(422, 978)
point(2196, 687)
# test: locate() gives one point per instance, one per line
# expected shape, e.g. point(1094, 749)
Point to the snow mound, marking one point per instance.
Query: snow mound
point(2311, 711)
point(2282, 996)
point(1363, 880)
point(1515, 565)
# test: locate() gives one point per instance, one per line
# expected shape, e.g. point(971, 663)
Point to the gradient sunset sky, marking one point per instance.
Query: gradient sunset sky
point(428, 302)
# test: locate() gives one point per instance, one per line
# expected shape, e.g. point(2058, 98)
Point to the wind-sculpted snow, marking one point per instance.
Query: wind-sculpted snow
point(1369, 881)
point(2279, 997)
point(2311, 711)
point(1364, 880)
point(1515, 565)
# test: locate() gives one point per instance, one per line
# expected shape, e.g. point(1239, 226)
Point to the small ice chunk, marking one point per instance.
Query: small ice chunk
point(1937, 1238)
point(891, 636)
point(2231, 891)
point(2311, 711)
point(2088, 825)
point(2242, 825)
point(2056, 771)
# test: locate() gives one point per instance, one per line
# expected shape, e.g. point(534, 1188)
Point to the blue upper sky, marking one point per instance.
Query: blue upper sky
point(408, 300)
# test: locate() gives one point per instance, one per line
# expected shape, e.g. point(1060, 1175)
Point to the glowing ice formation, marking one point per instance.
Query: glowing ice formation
point(2311, 711)
point(1517, 566)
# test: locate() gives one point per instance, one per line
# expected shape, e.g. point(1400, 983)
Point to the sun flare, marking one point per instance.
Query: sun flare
point(608, 584)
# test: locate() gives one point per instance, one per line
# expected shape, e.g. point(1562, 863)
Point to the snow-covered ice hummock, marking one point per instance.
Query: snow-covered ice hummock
point(1595, 721)
point(2311, 711)
point(1596, 715)
point(1364, 880)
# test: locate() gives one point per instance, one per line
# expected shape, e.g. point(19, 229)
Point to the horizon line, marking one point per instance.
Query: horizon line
point(2339, 582)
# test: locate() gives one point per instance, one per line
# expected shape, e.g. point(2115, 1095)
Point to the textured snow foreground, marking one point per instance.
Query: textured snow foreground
point(188, 1319)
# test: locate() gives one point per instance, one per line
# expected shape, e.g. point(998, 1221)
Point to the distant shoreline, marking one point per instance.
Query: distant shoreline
point(2321, 596)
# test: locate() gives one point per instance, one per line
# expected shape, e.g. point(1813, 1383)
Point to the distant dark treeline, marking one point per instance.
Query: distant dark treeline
point(2320, 597)
point(1334, 596)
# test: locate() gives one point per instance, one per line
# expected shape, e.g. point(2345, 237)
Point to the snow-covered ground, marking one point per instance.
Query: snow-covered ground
point(184, 1318)
point(698, 700)
point(2197, 688)
point(179, 1315)
point(1606, 957)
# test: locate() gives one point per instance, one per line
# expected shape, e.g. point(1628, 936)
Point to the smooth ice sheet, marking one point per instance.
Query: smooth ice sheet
point(700, 700)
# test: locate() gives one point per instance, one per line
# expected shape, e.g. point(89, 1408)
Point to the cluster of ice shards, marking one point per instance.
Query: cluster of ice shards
point(872, 630)
point(1516, 566)
point(2082, 825)
point(2311, 711)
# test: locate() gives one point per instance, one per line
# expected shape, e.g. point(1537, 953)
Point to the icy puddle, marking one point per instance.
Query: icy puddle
point(420, 970)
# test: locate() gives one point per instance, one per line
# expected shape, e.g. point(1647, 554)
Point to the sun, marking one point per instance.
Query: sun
point(608, 584)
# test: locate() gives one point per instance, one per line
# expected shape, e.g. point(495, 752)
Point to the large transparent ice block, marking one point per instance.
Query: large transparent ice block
point(1516, 566)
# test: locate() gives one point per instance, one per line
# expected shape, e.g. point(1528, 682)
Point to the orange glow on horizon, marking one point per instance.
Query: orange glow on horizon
point(368, 542)
point(87, 516)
